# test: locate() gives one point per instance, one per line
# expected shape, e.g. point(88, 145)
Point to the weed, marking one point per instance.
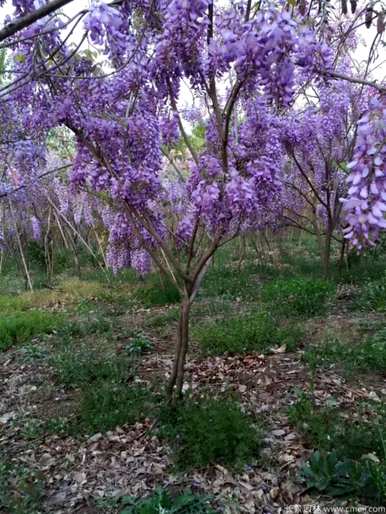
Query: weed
point(251, 332)
point(298, 296)
point(21, 489)
point(105, 405)
point(19, 328)
point(327, 429)
point(350, 455)
point(84, 327)
point(163, 501)
point(210, 432)
point(373, 295)
point(160, 320)
point(12, 304)
point(78, 368)
point(139, 344)
point(368, 355)
point(225, 281)
point(329, 474)
point(157, 291)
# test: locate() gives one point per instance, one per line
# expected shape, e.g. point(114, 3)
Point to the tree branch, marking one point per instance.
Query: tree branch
point(25, 21)
point(354, 80)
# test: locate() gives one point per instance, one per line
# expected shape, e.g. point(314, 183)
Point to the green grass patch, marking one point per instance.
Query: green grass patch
point(157, 290)
point(372, 296)
point(251, 332)
point(163, 319)
point(105, 405)
point(210, 432)
point(19, 328)
point(298, 296)
point(78, 368)
point(366, 356)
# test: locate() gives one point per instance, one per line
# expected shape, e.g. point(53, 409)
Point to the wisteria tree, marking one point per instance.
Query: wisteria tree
point(240, 61)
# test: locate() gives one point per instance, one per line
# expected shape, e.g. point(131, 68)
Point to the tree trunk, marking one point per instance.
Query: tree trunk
point(176, 381)
point(326, 255)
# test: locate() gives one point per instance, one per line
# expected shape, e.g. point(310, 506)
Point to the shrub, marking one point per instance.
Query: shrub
point(105, 405)
point(210, 432)
point(157, 291)
point(163, 501)
point(21, 327)
point(298, 296)
point(251, 332)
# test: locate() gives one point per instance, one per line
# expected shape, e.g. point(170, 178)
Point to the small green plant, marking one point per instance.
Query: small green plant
point(157, 291)
point(12, 304)
point(328, 430)
point(21, 327)
point(160, 320)
point(139, 344)
point(252, 332)
point(329, 474)
point(79, 368)
point(368, 355)
point(85, 327)
point(210, 432)
point(106, 405)
point(298, 296)
point(163, 502)
point(21, 489)
point(373, 295)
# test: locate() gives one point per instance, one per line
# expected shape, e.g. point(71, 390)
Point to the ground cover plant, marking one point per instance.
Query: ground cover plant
point(350, 456)
point(22, 327)
point(365, 356)
point(211, 432)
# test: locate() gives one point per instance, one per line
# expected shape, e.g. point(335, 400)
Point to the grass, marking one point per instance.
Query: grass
point(157, 290)
point(224, 280)
point(21, 489)
point(77, 368)
point(105, 405)
point(298, 296)
point(20, 328)
point(327, 429)
point(366, 356)
point(251, 332)
point(210, 432)
point(163, 319)
point(372, 296)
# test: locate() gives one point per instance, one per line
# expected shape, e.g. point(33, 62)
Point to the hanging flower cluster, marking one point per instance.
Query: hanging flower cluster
point(365, 205)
